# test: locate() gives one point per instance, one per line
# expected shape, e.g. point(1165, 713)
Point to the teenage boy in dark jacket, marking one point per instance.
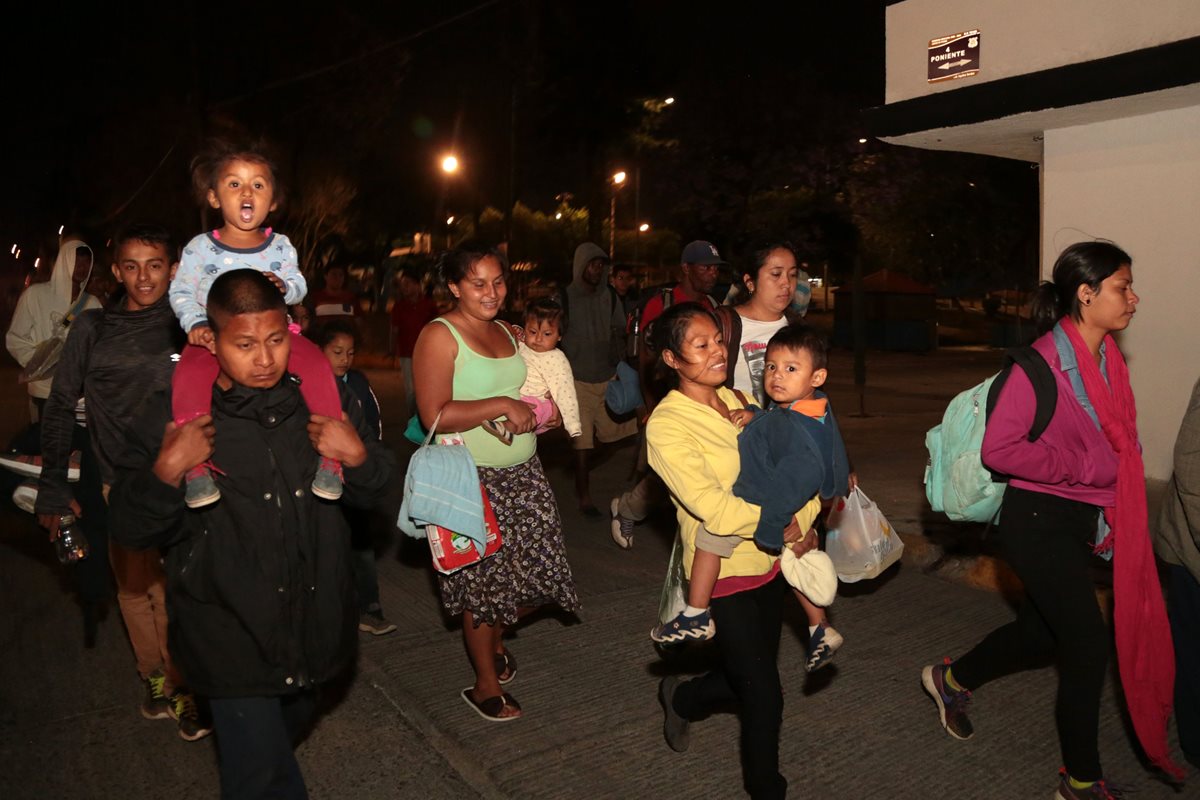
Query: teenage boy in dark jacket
point(114, 358)
point(258, 584)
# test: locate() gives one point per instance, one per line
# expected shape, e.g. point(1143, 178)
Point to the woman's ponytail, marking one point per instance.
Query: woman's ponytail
point(1047, 308)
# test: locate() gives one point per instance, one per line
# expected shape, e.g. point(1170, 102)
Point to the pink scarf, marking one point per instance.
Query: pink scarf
point(1145, 653)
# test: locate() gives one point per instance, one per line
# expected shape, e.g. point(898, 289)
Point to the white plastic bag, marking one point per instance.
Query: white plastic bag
point(673, 598)
point(860, 540)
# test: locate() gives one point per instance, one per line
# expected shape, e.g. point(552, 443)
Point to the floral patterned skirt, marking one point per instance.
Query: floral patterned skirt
point(531, 568)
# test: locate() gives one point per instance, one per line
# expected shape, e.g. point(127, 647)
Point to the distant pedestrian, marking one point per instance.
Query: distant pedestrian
point(699, 266)
point(693, 445)
point(411, 310)
point(45, 310)
point(333, 299)
point(468, 372)
point(594, 342)
point(1078, 488)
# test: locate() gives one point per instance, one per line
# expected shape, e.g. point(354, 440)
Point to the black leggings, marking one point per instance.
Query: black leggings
point(748, 627)
point(1047, 541)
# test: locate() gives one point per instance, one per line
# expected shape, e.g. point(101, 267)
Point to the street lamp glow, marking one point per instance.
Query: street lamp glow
point(558, 215)
point(645, 226)
point(450, 220)
point(37, 262)
point(61, 228)
point(14, 250)
point(450, 165)
point(862, 141)
point(669, 101)
point(18, 253)
point(619, 177)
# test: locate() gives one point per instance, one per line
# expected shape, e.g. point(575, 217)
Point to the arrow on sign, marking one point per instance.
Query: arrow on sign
point(950, 64)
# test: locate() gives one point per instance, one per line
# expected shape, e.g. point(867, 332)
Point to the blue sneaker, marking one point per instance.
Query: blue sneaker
point(685, 629)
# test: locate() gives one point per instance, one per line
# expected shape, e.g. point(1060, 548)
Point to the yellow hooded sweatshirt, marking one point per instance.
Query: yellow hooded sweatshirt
point(695, 451)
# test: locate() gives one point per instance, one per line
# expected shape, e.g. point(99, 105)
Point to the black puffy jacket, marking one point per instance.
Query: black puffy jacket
point(259, 590)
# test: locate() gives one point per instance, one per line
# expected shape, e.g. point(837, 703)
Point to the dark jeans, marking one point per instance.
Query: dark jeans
point(362, 559)
point(256, 737)
point(748, 627)
point(93, 575)
point(1185, 630)
point(1047, 541)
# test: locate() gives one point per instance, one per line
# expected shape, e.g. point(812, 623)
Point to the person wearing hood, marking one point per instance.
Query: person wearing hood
point(594, 341)
point(45, 307)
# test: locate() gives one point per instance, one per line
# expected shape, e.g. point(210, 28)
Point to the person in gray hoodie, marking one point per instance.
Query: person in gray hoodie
point(594, 341)
point(45, 309)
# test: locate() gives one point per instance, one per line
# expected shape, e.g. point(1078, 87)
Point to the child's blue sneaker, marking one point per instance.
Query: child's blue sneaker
point(823, 643)
point(685, 629)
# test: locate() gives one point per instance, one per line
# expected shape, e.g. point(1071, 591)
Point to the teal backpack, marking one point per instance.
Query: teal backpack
point(956, 481)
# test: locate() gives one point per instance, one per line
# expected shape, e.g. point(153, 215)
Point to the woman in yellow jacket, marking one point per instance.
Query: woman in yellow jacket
point(693, 447)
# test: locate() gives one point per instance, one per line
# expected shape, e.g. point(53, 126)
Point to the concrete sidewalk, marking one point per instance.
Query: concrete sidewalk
point(69, 725)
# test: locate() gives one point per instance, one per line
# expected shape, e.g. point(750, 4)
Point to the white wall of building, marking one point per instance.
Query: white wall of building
point(1136, 181)
point(1020, 36)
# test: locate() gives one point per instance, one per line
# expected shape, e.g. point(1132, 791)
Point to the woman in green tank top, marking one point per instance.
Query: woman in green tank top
point(466, 367)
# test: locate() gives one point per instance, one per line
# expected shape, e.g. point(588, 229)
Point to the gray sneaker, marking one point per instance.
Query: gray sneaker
point(327, 483)
point(201, 488)
point(622, 527)
point(374, 623)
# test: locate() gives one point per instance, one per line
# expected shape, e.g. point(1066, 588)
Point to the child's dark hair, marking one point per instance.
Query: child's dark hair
point(322, 333)
point(146, 233)
point(455, 264)
point(546, 309)
point(802, 337)
point(207, 165)
point(1082, 263)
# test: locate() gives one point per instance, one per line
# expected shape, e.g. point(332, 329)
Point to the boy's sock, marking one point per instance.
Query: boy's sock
point(953, 684)
point(692, 611)
point(812, 629)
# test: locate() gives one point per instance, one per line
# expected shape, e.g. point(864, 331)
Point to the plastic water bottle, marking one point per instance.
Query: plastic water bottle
point(71, 545)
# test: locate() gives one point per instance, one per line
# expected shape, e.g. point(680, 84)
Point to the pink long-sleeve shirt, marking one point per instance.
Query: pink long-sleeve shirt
point(1071, 459)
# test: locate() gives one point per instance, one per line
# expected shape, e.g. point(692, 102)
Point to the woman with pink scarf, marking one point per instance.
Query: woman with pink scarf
point(1078, 490)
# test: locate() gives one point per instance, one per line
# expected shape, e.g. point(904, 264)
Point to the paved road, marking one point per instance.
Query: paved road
point(69, 725)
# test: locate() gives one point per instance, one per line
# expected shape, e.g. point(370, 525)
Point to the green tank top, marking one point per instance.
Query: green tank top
point(478, 377)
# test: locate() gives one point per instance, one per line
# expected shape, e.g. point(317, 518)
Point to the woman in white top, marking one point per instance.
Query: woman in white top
point(770, 280)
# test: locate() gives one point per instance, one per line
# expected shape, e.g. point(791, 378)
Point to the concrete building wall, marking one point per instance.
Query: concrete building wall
point(1136, 181)
point(1020, 36)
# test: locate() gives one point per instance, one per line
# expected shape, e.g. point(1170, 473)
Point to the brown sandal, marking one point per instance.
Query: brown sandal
point(492, 708)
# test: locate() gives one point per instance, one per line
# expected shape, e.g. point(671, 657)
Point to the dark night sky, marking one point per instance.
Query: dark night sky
point(95, 101)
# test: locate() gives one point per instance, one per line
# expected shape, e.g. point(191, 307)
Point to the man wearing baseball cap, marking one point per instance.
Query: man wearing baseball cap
point(700, 265)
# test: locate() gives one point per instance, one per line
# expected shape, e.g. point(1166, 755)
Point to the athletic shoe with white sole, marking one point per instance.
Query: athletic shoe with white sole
point(31, 466)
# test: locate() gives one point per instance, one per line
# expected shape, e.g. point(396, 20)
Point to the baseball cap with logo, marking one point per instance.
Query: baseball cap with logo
point(701, 252)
